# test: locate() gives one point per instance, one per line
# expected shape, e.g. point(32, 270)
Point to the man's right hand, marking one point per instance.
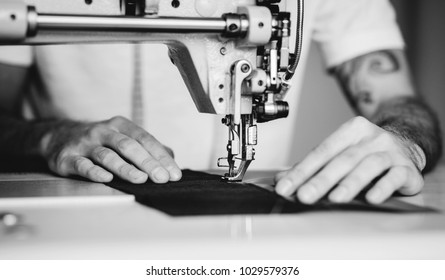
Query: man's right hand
point(98, 151)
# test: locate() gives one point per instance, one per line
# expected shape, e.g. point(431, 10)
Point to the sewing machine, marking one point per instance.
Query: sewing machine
point(234, 56)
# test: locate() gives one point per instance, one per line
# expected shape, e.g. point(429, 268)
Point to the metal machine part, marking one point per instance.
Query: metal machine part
point(242, 130)
point(233, 55)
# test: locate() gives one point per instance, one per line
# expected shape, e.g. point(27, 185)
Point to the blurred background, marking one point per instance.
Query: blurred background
point(322, 106)
point(422, 23)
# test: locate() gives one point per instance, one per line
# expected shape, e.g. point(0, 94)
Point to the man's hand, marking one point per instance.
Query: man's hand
point(352, 158)
point(117, 146)
point(387, 154)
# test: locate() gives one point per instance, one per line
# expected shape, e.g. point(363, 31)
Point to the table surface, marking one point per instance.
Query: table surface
point(69, 219)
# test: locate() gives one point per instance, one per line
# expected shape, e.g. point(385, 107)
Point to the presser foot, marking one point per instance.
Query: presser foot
point(236, 174)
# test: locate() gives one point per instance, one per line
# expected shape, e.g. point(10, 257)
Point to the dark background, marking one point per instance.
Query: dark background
point(423, 25)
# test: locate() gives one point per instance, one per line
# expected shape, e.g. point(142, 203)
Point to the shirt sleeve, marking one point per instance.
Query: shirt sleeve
point(16, 55)
point(346, 29)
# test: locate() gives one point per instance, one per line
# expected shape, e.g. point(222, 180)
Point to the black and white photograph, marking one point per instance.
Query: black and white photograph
point(222, 139)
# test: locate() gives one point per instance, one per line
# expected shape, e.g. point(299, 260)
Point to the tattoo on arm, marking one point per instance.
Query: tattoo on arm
point(371, 79)
point(379, 87)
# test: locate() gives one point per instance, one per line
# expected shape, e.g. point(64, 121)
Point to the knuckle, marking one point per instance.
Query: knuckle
point(118, 120)
point(356, 123)
point(157, 170)
point(150, 164)
point(100, 127)
point(91, 133)
point(145, 139)
point(297, 172)
point(360, 126)
point(322, 149)
point(169, 164)
point(279, 176)
point(126, 144)
point(350, 183)
point(101, 154)
point(380, 159)
point(78, 163)
point(94, 132)
point(124, 169)
point(351, 154)
point(61, 156)
point(320, 181)
point(385, 140)
point(359, 121)
point(61, 167)
point(165, 158)
point(93, 172)
point(147, 163)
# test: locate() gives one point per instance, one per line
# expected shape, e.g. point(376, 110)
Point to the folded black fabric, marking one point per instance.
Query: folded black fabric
point(199, 193)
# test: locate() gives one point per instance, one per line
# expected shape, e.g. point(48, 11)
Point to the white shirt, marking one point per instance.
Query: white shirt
point(94, 82)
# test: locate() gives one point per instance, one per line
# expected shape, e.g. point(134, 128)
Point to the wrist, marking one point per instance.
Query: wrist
point(418, 156)
point(49, 130)
point(56, 134)
point(413, 150)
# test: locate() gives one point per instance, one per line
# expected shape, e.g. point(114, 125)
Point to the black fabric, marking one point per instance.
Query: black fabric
point(199, 193)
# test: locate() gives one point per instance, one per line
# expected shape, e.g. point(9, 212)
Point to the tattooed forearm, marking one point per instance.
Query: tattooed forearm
point(413, 121)
point(371, 79)
point(378, 86)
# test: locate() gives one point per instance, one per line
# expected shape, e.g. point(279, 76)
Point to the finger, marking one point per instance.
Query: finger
point(78, 165)
point(399, 177)
point(417, 183)
point(319, 185)
point(279, 176)
point(169, 151)
point(367, 170)
point(110, 160)
point(284, 173)
point(133, 151)
point(155, 148)
point(344, 137)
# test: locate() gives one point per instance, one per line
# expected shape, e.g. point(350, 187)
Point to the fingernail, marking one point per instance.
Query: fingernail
point(339, 195)
point(284, 187)
point(161, 175)
point(374, 196)
point(307, 194)
point(175, 175)
point(107, 177)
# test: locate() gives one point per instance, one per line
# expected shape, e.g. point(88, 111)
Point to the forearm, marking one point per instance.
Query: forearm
point(413, 121)
point(379, 87)
point(26, 138)
point(18, 137)
point(382, 152)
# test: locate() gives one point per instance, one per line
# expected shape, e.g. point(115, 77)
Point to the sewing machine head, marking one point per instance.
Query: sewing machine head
point(233, 55)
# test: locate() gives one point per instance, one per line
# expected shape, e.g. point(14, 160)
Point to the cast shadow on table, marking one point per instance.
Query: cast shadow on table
point(200, 193)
